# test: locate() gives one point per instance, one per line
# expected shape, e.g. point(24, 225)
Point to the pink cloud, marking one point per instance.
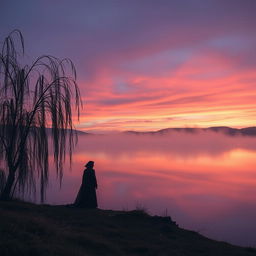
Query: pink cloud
point(204, 90)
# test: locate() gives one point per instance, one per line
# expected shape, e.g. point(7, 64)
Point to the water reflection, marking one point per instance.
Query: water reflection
point(206, 181)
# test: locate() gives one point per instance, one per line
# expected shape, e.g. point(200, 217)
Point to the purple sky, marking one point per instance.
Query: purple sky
point(131, 55)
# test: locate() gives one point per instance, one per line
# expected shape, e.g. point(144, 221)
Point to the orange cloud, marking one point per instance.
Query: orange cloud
point(206, 90)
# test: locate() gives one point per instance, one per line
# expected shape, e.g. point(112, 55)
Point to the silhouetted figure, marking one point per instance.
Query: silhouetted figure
point(86, 196)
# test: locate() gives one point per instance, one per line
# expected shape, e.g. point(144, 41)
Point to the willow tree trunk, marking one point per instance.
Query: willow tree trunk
point(6, 193)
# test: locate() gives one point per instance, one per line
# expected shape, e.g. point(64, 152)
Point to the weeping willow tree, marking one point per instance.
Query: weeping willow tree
point(37, 102)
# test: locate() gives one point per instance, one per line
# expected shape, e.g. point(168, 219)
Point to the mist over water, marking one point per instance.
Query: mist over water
point(205, 181)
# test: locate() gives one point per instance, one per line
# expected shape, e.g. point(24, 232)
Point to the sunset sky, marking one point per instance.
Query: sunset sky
point(148, 65)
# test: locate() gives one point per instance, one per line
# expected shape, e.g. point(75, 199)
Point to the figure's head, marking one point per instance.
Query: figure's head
point(90, 164)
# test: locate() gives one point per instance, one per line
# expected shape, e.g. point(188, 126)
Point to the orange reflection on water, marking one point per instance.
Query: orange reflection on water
point(206, 180)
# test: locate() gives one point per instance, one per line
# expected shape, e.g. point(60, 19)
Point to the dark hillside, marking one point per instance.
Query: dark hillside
point(28, 229)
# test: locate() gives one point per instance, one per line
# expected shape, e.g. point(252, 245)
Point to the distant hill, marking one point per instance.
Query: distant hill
point(29, 229)
point(249, 131)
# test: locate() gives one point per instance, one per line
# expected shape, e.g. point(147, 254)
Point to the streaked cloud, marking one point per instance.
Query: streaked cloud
point(149, 64)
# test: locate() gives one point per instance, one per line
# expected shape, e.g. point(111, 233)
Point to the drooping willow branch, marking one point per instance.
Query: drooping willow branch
point(35, 101)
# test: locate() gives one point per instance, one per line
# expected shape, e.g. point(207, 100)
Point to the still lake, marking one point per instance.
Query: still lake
point(206, 181)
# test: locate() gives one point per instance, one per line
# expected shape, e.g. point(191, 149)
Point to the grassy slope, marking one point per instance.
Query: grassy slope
point(28, 229)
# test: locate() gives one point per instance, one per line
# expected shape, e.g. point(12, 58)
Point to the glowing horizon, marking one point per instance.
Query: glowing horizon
point(225, 101)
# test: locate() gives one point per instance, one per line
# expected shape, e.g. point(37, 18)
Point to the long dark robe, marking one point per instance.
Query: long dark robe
point(86, 196)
